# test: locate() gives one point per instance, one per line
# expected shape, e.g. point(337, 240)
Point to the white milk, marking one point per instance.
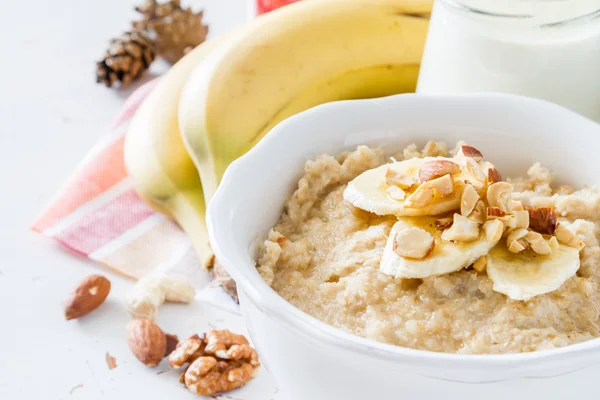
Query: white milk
point(548, 49)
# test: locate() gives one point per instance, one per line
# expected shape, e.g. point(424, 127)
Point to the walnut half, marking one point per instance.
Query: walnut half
point(220, 362)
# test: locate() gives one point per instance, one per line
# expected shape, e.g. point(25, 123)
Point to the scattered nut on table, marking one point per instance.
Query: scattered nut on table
point(146, 341)
point(220, 362)
point(89, 294)
point(149, 293)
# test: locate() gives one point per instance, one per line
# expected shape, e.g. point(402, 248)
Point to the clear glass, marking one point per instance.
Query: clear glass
point(548, 49)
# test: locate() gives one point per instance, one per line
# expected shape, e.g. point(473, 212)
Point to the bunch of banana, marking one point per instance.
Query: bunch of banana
point(224, 96)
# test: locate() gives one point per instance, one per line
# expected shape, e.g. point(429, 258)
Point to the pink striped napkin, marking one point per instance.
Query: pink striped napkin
point(97, 213)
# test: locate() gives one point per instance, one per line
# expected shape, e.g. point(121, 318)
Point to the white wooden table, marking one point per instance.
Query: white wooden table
point(51, 113)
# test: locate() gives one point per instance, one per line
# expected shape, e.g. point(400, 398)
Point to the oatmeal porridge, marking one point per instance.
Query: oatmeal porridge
point(431, 249)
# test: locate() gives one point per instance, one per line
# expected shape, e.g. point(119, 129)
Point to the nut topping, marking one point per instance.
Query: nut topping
point(495, 212)
point(521, 219)
point(471, 152)
point(516, 205)
point(565, 236)
point(436, 169)
point(413, 243)
point(478, 178)
point(462, 229)
point(468, 200)
point(494, 175)
point(394, 177)
point(542, 219)
point(538, 244)
point(493, 230)
point(479, 213)
point(443, 185)
point(508, 220)
point(420, 198)
point(553, 243)
point(444, 223)
point(516, 246)
point(515, 241)
point(498, 195)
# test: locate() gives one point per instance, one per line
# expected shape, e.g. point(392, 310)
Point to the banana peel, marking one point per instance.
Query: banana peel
point(225, 95)
point(162, 171)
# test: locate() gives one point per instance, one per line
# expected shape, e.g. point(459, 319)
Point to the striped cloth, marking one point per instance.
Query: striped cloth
point(98, 214)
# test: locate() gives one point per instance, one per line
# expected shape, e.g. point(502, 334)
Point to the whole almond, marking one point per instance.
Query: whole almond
point(87, 296)
point(146, 341)
point(436, 169)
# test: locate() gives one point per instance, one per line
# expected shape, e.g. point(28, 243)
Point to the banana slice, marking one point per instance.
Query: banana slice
point(370, 191)
point(526, 274)
point(445, 257)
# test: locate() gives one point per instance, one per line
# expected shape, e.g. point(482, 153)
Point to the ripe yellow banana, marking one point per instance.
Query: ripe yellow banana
point(295, 58)
point(162, 171)
point(224, 96)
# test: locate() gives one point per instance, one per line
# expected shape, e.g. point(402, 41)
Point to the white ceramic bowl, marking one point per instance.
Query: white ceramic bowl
point(312, 360)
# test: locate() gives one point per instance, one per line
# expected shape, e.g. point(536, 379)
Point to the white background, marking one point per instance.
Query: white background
point(51, 113)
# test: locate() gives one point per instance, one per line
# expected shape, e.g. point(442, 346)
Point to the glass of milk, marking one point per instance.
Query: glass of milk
point(549, 49)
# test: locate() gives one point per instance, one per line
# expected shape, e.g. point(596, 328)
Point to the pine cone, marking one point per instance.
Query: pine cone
point(174, 30)
point(126, 59)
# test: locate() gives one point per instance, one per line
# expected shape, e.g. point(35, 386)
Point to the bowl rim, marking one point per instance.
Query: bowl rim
point(271, 303)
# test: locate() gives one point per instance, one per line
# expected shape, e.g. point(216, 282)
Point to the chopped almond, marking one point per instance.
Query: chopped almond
point(495, 212)
point(493, 230)
point(443, 185)
point(480, 264)
point(478, 177)
point(462, 229)
point(516, 205)
point(521, 219)
point(436, 169)
point(443, 223)
point(514, 240)
point(499, 195)
point(420, 198)
point(396, 193)
point(479, 213)
point(494, 175)
point(468, 200)
point(471, 152)
point(538, 244)
point(542, 219)
point(413, 243)
point(565, 236)
point(553, 243)
point(395, 177)
point(516, 235)
point(508, 220)
point(516, 247)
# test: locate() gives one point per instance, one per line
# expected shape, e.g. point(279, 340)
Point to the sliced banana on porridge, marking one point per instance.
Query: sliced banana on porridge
point(418, 186)
point(524, 251)
point(526, 274)
point(428, 246)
